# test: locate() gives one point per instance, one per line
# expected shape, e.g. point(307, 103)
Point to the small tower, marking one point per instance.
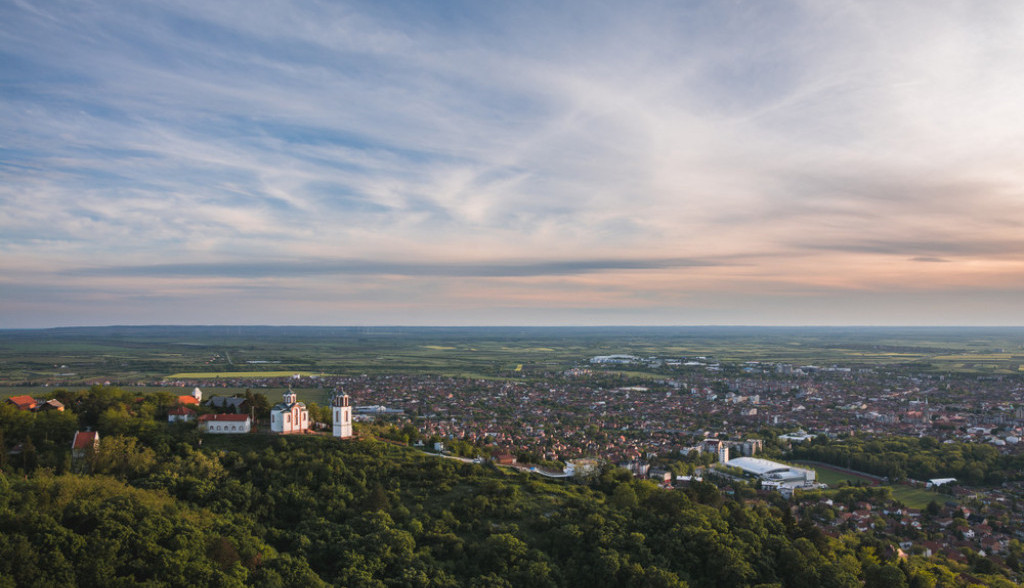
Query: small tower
point(289, 397)
point(341, 412)
point(197, 394)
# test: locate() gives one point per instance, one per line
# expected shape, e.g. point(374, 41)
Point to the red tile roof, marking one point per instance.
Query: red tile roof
point(51, 404)
point(241, 418)
point(187, 400)
point(181, 411)
point(85, 439)
point(23, 402)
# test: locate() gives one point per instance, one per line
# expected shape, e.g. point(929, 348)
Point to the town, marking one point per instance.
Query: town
point(720, 423)
point(587, 412)
point(929, 462)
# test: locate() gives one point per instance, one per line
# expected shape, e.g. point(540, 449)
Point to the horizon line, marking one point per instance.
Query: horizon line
point(511, 326)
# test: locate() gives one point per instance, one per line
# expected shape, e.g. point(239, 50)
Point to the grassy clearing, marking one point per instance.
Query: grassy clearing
point(834, 478)
point(634, 374)
point(215, 375)
point(912, 497)
point(919, 497)
point(974, 357)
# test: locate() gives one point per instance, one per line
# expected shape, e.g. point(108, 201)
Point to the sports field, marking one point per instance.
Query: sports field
point(912, 497)
point(834, 478)
point(919, 497)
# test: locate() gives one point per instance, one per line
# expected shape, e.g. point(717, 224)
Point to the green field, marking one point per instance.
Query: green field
point(834, 478)
point(242, 375)
point(128, 355)
point(919, 497)
point(913, 497)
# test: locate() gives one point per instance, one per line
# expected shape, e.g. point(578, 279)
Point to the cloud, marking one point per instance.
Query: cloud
point(799, 143)
point(929, 250)
point(364, 267)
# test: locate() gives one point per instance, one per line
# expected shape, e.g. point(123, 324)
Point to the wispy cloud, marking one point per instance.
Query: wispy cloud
point(932, 249)
point(686, 149)
point(319, 268)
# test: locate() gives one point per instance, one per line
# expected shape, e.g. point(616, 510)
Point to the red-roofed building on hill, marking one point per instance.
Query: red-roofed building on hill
point(84, 442)
point(188, 400)
point(23, 402)
point(51, 404)
point(504, 458)
point(225, 423)
point(180, 413)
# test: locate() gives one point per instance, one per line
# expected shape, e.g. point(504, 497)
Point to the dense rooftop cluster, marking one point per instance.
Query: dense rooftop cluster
point(594, 411)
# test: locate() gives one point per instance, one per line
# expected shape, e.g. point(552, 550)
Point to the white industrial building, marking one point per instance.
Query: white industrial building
point(773, 473)
point(799, 436)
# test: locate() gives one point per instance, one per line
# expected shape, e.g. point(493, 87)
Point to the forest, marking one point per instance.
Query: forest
point(159, 504)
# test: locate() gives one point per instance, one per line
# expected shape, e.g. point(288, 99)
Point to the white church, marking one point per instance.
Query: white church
point(341, 415)
point(292, 416)
point(289, 416)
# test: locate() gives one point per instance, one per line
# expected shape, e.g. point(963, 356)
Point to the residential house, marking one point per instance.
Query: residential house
point(504, 459)
point(83, 443)
point(51, 404)
point(23, 402)
point(181, 414)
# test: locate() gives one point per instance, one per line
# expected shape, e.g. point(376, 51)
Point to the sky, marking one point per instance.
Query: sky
point(809, 162)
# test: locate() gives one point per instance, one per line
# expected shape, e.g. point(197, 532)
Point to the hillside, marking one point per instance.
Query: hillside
point(163, 506)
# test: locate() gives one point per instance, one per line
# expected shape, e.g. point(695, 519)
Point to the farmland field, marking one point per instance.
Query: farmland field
point(214, 375)
point(149, 355)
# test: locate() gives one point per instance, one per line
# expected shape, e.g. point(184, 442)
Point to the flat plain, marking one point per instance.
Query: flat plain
point(129, 355)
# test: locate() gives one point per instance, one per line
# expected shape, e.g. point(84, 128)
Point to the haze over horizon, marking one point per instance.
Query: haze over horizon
point(465, 163)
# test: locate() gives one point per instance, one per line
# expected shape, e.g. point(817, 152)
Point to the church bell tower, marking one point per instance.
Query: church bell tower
point(341, 412)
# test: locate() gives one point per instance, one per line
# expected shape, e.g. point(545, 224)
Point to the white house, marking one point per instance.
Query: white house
point(180, 413)
point(290, 416)
point(225, 423)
